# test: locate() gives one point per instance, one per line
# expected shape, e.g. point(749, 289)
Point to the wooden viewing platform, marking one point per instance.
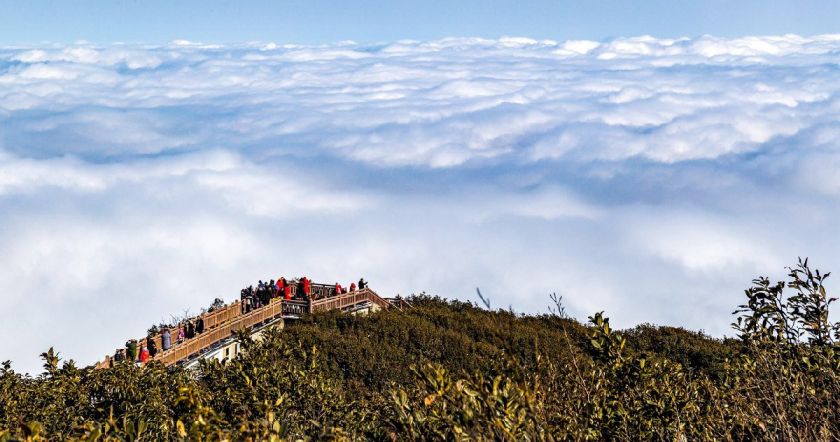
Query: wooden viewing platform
point(220, 325)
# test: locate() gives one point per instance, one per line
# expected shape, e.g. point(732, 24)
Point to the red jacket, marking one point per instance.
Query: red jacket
point(144, 355)
point(352, 286)
point(287, 292)
point(307, 286)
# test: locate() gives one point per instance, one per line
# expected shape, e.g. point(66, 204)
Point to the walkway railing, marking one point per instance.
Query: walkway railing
point(220, 324)
point(399, 303)
point(347, 300)
point(207, 339)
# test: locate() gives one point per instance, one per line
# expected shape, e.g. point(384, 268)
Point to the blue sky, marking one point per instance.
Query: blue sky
point(593, 152)
point(322, 21)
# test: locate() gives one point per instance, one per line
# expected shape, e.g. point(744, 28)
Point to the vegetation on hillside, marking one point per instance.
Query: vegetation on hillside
point(450, 370)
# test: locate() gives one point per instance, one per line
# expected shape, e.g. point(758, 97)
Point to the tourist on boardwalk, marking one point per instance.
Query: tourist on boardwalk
point(287, 292)
point(199, 325)
point(165, 339)
point(247, 300)
point(362, 284)
point(352, 286)
point(265, 295)
point(181, 335)
point(119, 356)
point(150, 342)
point(281, 286)
point(337, 289)
point(305, 287)
point(189, 333)
point(259, 293)
point(144, 355)
point(131, 350)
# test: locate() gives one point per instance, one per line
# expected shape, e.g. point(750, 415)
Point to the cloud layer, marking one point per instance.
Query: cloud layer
point(646, 177)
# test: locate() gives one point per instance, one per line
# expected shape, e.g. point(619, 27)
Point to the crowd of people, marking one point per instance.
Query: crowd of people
point(141, 351)
point(251, 298)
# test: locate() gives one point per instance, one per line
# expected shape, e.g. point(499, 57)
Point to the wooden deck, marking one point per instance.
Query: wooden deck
point(220, 324)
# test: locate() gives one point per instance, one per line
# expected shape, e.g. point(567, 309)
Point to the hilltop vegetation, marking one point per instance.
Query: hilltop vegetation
point(451, 370)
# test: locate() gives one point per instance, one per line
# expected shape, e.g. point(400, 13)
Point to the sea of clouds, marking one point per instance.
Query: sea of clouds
point(650, 178)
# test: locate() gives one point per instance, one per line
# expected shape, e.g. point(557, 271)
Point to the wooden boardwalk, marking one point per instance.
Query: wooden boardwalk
point(221, 324)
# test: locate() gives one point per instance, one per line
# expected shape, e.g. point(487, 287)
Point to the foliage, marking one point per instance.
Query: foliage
point(449, 370)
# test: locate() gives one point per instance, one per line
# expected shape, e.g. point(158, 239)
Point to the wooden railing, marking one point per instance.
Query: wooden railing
point(205, 340)
point(223, 323)
point(222, 315)
point(319, 291)
point(211, 321)
point(295, 307)
point(347, 300)
point(399, 303)
point(220, 324)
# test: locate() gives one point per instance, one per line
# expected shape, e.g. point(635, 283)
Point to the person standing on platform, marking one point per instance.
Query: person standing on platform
point(281, 286)
point(165, 340)
point(190, 330)
point(305, 286)
point(150, 342)
point(131, 350)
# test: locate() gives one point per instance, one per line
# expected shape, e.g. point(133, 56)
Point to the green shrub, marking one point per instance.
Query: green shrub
point(448, 370)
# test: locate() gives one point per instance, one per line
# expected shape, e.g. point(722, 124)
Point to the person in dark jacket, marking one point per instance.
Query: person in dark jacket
point(131, 350)
point(265, 296)
point(150, 343)
point(190, 331)
point(165, 339)
point(119, 356)
point(199, 325)
point(362, 283)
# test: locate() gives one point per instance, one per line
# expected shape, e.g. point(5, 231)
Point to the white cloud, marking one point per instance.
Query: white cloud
point(652, 178)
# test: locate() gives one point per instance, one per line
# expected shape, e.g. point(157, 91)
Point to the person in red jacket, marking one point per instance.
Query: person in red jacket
point(337, 288)
point(307, 286)
point(281, 286)
point(144, 355)
point(287, 292)
point(352, 286)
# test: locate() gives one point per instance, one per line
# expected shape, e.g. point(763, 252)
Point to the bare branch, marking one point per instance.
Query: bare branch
point(485, 301)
